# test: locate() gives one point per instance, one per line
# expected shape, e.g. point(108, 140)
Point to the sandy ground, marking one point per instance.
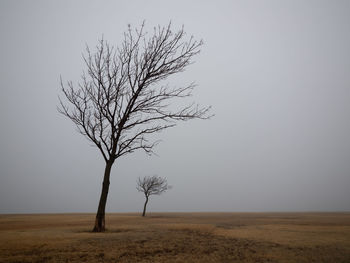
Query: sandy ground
point(177, 237)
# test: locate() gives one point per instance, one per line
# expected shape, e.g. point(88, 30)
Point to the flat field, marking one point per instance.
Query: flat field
point(177, 237)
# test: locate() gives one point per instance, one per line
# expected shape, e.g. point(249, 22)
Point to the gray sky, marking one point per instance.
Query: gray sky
point(277, 74)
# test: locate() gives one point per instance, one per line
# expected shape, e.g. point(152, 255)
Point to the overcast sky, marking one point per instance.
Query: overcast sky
point(277, 74)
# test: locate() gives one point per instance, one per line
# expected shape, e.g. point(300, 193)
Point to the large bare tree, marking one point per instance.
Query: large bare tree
point(121, 99)
point(151, 185)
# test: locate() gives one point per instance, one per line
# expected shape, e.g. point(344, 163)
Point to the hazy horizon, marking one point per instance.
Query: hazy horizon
point(276, 73)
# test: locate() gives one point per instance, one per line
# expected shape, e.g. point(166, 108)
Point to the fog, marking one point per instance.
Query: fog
point(276, 73)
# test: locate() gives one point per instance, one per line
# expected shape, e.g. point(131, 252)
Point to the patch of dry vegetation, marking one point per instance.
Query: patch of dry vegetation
point(177, 237)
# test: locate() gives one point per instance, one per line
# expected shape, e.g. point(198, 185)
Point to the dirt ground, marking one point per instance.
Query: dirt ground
point(177, 237)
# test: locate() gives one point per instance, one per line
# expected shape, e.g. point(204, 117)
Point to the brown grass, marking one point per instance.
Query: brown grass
point(177, 237)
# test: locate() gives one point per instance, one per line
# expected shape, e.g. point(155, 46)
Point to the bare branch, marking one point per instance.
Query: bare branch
point(152, 185)
point(119, 101)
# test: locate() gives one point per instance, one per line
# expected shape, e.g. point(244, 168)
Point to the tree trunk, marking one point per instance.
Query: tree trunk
point(144, 207)
point(100, 216)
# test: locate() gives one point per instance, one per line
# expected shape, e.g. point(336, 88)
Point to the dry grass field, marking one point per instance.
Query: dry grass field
point(177, 237)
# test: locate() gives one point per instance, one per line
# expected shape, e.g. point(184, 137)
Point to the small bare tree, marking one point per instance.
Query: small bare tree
point(121, 100)
point(151, 185)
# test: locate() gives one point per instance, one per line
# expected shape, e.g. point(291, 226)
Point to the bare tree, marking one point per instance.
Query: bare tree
point(151, 185)
point(121, 99)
